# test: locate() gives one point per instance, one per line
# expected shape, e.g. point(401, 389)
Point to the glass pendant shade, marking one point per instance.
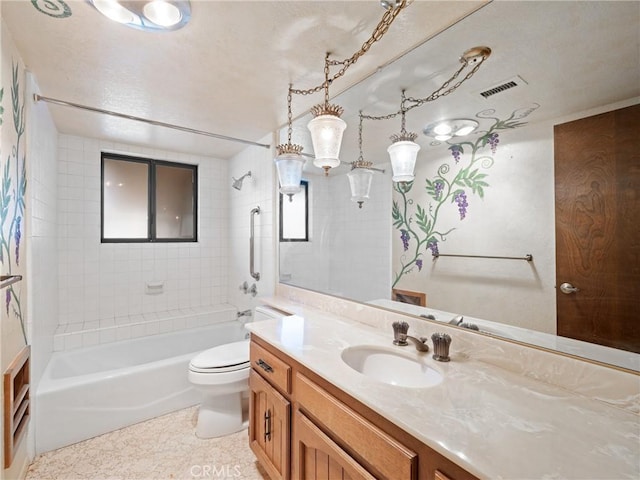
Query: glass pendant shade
point(360, 183)
point(289, 166)
point(403, 160)
point(326, 135)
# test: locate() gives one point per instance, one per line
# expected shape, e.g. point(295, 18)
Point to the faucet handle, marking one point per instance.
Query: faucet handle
point(400, 330)
point(441, 342)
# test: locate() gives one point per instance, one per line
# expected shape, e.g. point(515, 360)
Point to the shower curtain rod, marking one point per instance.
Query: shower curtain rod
point(55, 101)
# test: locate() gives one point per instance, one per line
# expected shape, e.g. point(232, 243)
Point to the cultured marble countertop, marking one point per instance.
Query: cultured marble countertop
point(492, 422)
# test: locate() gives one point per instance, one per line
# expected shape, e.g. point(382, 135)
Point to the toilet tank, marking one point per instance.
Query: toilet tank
point(263, 312)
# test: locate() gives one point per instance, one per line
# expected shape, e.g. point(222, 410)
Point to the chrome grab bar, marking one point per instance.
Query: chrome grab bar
point(528, 257)
point(255, 275)
point(6, 280)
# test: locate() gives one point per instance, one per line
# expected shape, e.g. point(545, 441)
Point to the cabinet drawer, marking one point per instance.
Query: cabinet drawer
point(379, 450)
point(277, 372)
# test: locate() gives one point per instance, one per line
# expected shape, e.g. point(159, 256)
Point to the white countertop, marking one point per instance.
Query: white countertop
point(492, 422)
point(599, 353)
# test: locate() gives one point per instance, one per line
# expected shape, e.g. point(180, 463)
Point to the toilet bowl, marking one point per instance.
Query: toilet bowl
point(221, 374)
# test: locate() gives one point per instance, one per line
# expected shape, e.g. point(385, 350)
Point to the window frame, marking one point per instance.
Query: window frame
point(151, 198)
point(305, 187)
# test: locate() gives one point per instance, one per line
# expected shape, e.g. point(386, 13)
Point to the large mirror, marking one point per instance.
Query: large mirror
point(475, 233)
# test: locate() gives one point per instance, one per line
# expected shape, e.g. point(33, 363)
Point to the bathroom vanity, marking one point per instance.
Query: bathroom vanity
point(303, 427)
point(312, 415)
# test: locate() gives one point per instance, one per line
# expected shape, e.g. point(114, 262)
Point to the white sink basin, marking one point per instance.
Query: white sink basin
point(389, 365)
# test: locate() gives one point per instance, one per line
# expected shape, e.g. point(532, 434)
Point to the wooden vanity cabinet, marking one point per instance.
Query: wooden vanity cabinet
point(304, 428)
point(269, 427)
point(316, 456)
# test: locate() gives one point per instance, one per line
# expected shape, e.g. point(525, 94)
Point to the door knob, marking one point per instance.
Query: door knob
point(567, 288)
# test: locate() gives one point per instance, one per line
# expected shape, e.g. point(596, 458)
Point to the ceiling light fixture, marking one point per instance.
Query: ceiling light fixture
point(360, 178)
point(289, 161)
point(444, 130)
point(151, 15)
point(404, 150)
point(327, 127)
point(361, 174)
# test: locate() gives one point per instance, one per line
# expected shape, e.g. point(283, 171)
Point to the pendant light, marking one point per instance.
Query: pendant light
point(360, 178)
point(326, 129)
point(361, 174)
point(289, 161)
point(403, 151)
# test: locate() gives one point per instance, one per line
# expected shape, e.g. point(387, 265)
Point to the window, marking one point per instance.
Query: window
point(146, 200)
point(294, 216)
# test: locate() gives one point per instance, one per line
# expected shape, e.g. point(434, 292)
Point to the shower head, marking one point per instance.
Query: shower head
point(237, 182)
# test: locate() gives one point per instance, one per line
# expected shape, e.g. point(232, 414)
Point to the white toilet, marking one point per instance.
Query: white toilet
point(222, 376)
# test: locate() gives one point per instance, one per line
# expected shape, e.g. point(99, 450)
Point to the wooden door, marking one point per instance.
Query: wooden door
point(597, 174)
point(317, 457)
point(269, 427)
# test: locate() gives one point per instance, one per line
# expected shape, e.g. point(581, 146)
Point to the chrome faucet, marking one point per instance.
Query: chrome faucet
point(400, 337)
point(459, 322)
point(244, 313)
point(420, 343)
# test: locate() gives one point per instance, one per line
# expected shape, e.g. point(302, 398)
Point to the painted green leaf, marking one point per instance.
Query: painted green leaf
point(396, 215)
point(1, 107)
point(421, 220)
point(23, 186)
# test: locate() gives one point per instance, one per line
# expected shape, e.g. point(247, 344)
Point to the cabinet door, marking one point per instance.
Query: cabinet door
point(317, 457)
point(269, 424)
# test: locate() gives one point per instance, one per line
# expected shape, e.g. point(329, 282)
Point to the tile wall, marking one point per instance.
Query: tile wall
point(103, 288)
point(42, 231)
point(257, 191)
point(346, 243)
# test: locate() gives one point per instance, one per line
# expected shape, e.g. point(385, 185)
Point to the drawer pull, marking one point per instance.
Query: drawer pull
point(267, 425)
point(264, 365)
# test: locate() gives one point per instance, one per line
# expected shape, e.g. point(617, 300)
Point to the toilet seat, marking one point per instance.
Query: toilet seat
point(230, 357)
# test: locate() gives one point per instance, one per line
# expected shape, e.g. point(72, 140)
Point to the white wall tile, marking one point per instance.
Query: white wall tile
point(99, 282)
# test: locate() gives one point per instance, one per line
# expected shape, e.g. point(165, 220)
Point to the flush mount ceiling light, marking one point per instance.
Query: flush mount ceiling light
point(151, 15)
point(443, 130)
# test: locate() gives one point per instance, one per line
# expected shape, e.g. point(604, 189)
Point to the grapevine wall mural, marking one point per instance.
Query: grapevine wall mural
point(457, 184)
point(13, 188)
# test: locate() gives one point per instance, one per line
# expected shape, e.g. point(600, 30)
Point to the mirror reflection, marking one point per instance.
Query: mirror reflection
point(484, 202)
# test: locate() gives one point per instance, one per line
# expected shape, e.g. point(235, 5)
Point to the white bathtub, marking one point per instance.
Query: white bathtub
point(91, 391)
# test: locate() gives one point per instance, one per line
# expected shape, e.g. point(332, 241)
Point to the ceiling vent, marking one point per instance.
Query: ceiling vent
point(502, 86)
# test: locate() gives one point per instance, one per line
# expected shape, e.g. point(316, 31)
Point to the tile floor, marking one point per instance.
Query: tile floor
point(162, 448)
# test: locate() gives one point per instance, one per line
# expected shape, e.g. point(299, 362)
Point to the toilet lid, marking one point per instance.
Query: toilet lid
point(222, 357)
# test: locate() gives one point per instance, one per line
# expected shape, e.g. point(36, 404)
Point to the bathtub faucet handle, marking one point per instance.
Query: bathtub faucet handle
point(244, 313)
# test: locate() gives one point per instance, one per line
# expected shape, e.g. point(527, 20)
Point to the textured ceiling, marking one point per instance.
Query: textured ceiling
point(570, 57)
point(226, 72)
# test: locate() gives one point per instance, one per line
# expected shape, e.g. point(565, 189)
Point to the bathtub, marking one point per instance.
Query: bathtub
point(91, 391)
